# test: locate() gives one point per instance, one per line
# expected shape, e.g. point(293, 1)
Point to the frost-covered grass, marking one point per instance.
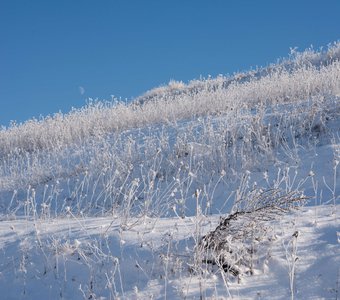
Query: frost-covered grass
point(114, 200)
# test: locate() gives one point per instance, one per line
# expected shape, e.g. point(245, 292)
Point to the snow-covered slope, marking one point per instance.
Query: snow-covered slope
point(222, 188)
point(80, 258)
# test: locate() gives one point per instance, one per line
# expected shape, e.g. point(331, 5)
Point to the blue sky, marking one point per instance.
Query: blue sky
point(56, 54)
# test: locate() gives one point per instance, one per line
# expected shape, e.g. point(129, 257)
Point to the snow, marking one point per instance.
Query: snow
point(114, 202)
point(72, 248)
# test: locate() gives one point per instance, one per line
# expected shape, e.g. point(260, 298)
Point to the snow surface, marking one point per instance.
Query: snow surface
point(57, 258)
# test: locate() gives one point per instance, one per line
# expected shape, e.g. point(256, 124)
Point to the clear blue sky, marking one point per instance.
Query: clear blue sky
point(56, 54)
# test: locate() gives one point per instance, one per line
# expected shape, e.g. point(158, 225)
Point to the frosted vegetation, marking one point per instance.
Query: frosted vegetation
point(251, 148)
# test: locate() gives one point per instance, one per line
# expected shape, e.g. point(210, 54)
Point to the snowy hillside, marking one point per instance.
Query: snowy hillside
point(220, 188)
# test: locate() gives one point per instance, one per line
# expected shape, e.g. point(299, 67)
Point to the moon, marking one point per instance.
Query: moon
point(81, 90)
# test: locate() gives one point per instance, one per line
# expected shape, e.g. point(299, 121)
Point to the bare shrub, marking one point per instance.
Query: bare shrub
point(232, 244)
